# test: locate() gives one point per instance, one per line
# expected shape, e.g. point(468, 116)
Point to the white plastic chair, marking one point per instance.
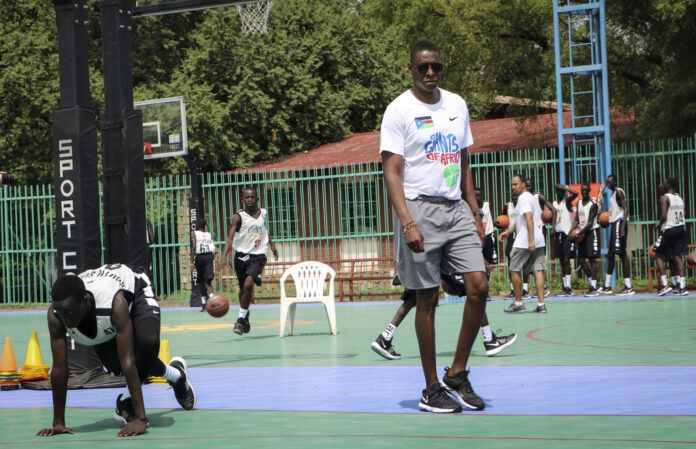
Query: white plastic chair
point(310, 279)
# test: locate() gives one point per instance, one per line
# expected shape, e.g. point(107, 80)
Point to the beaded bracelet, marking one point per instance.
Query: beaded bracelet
point(407, 226)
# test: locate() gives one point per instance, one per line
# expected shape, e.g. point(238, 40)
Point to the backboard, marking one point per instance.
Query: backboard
point(145, 8)
point(164, 127)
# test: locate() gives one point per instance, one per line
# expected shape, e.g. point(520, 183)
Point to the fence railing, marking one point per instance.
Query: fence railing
point(328, 213)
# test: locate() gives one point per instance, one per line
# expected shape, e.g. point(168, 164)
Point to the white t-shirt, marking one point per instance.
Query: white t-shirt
point(675, 213)
point(616, 212)
point(564, 217)
point(252, 237)
point(525, 203)
point(430, 138)
point(584, 214)
point(204, 243)
point(487, 219)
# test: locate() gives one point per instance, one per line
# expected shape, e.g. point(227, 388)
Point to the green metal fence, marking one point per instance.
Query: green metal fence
point(337, 214)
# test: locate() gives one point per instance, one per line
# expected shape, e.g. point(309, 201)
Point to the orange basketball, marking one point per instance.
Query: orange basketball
point(575, 231)
point(691, 259)
point(217, 306)
point(502, 222)
point(653, 254)
point(604, 219)
point(547, 216)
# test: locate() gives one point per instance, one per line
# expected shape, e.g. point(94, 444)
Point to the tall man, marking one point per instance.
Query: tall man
point(437, 224)
point(529, 249)
point(618, 217)
point(587, 239)
point(541, 203)
point(249, 237)
point(564, 248)
point(671, 243)
point(112, 308)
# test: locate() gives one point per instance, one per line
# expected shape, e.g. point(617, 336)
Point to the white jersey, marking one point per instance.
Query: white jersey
point(204, 243)
point(511, 213)
point(430, 138)
point(564, 217)
point(487, 218)
point(584, 214)
point(537, 218)
point(252, 237)
point(675, 213)
point(525, 203)
point(616, 212)
point(104, 283)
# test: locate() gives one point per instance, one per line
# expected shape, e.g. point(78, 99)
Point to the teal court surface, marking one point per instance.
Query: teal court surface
point(603, 373)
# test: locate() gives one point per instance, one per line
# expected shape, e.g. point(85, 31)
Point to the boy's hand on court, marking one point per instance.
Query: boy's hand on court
point(55, 430)
point(135, 427)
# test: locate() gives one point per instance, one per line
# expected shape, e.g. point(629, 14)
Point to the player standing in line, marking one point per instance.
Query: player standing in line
point(437, 225)
point(588, 249)
point(249, 237)
point(112, 308)
point(564, 248)
point(618, 217)
point(203, 260)
point(541, 203)
point(671, 243)
point(490, 242)
point(509, 210)
point(529, 250)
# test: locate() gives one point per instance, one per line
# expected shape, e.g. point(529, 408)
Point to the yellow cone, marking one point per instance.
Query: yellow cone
point(34, 368)
point(165, 357)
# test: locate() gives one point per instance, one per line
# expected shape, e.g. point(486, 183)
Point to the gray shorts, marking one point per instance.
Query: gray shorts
point(451, 242)
point(521, 258)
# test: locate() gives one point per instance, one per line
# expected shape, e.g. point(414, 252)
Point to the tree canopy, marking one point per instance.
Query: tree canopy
point(327, 68)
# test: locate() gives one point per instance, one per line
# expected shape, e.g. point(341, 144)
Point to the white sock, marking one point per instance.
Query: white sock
point(243, 313)
point(171, 374)
point(126, 394)
point(607, 281)
point(566, 281)
point(682, 281)
point(525, 287)
point(540, 303)
point(593, 283)
point(204, 299)
point(675, 280)
point(512, 287)
point(388, 333)
point(487, 333)
point(627, 281)
point(663, 278)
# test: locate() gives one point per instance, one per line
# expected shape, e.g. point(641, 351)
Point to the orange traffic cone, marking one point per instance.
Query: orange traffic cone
point(9, 378)
point(166, 358)
point(34, 368)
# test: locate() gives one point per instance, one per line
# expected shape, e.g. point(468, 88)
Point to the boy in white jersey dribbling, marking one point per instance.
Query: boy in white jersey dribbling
point(113, 309)
point(671, 243)
point(249, 237)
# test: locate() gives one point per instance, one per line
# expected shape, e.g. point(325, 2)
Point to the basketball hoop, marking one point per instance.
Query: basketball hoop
point(254, 16)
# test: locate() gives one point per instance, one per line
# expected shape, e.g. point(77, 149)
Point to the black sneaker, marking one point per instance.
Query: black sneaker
point(383, 347)
point(435, 400)
point(460, 387)
point(124, 410)
point(511, 295)
point(242, 326)
point(664, 290)
point(497, 344)
point(540, 308)
point(183, 390)
point(605, 291)
point(626, 291)
point(525, 294)
point(683, 292)
point(592, 292)
point(515, 307)
point(565, 292)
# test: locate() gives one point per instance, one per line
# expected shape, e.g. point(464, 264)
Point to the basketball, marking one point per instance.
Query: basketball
point(502, 222)
point(574, 232)
point(604, 219)
point(652, 252)
point(691, 259)
point(547, 216)
point(217, 306)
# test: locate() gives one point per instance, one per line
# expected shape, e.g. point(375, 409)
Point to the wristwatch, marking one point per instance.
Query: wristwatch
point(479, 212)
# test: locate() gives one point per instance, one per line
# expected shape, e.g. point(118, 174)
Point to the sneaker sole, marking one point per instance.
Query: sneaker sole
point(120, 418)
point(426, 408)
point(188, 384)
point(664, 293)
point(625, 294)
point(379, 350)
point(515, 311)
point(494, 351)
point(591, 296)
point(459, 397)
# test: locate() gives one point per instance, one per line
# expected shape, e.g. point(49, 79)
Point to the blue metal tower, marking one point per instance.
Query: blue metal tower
point(582, 81)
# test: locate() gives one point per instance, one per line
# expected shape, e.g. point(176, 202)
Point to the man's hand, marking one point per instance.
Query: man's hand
point(532, 246)
point(414, 239)
point(135, 427)
point(274, 250)
point(55, 430)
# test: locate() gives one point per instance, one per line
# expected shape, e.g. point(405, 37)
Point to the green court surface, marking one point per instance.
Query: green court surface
point(645, 339)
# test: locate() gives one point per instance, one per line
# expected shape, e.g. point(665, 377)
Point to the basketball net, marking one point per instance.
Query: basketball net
point(254, 16)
